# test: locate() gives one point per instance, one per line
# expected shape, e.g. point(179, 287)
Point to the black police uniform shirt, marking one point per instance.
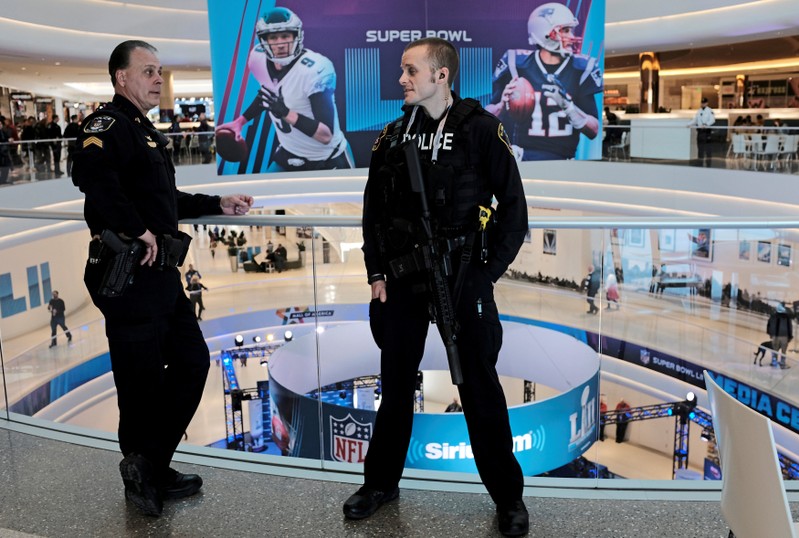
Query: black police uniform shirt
point(122, 166)
point(548, 128)
point(57, 307)
point(489, 152)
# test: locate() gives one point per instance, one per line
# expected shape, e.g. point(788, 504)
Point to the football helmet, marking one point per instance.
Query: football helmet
point(280, 19)
point(544, 28)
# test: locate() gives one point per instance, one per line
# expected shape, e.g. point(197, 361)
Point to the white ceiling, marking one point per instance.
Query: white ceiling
point(47, 44)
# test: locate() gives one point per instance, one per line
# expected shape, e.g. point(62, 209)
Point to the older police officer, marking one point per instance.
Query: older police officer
point(158, 355)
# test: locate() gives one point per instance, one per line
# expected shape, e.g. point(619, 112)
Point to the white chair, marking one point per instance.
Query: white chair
point(768, 150)
point(621, 148)
point(790, 145)
point(738, 149)
point(753, 499)
point(194, 145)
point(185, 150)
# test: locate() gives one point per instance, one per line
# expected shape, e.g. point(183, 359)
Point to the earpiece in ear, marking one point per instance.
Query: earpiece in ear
point(441, 75)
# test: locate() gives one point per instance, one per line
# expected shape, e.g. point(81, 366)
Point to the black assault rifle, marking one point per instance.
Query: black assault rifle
point(438, 266)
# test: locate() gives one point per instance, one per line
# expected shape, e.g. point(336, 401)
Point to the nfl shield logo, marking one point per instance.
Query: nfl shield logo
point(349, 439)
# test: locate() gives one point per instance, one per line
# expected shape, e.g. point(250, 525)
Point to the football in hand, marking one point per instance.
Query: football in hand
point(229, 148)
point(521, 100)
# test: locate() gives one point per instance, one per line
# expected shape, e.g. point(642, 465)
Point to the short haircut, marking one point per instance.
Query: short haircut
point(441, 53)
point(120, 57)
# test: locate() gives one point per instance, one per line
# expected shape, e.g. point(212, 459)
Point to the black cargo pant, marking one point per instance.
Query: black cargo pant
point(400, 327)
point(160, 364)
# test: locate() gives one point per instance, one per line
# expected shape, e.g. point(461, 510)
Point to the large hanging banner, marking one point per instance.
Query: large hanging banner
point(308, 85)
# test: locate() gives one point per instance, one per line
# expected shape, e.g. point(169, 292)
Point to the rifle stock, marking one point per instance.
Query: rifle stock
point(438, 268)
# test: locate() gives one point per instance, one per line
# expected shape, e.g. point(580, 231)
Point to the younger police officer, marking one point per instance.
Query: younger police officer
point(158, 354)
point(467, 160)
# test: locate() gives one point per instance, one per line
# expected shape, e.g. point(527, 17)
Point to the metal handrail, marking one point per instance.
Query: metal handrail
point(765, 221)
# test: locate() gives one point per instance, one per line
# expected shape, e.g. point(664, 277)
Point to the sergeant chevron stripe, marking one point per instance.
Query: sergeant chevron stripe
point(93, 140)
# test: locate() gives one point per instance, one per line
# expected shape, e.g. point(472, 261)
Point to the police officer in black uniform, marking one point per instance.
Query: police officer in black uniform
point(158, 355)
point(467, 158)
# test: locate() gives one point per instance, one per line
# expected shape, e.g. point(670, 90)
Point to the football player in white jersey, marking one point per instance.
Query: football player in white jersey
point(564, 84)
point(298, 92)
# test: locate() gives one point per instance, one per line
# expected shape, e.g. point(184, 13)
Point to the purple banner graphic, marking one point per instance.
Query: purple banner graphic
point(308, 85)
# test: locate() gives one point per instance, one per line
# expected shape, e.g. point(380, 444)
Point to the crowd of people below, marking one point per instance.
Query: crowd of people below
point(35, 147)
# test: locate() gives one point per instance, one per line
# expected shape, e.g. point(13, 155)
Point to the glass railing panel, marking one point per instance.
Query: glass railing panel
point(349, 362)
point(261, 289)
point(705, 306)
point(251, 294)
point(41, 257)
point(553, 307)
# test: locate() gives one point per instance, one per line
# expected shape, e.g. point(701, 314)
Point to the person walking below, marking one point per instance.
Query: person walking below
point(205, 138)
point(612, 292)
point(57, 310)
point(191, 273)
point(71, 132)
point(5, 154)
point(623, 408)
point(195, 289)
point(591, 287)
point(603, 408)
point(780, 328)
point(54, 133)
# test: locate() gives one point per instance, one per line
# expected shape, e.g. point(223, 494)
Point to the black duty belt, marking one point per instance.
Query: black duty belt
point(123, 257)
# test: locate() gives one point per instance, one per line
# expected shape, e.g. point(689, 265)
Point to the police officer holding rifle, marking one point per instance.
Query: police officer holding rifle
point(158, 355)
point(435, 255)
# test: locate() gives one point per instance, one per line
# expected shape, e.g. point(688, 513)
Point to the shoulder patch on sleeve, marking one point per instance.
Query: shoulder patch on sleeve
point(503, 136)
point(93, 141)
point(99, 124)
point(380, 138)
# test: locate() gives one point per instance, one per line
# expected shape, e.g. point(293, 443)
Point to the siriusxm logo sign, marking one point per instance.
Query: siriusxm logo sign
point(39, 290)
point(583, 422)
point(532, 440)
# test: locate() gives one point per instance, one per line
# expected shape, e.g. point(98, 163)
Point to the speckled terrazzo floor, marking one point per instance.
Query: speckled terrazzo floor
point(55, 489)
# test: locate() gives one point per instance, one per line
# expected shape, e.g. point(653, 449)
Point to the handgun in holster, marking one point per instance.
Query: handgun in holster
point(125, 255)
point(172, 250)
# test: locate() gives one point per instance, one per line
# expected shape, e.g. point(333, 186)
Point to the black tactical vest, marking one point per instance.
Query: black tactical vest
point(454, 184)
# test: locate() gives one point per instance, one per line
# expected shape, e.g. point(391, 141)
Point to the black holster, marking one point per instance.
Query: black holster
point(172, 250)
point(123, 259)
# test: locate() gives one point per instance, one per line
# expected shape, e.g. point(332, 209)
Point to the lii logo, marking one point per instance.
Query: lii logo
point(583, 423)
point(39, 288)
